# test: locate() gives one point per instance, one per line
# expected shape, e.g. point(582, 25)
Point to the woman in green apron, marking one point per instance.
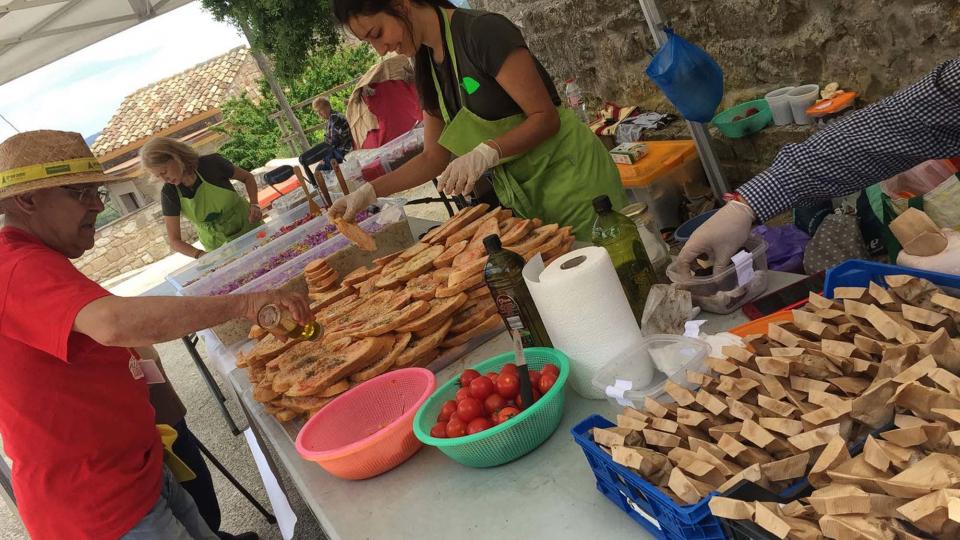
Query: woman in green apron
point(199, 188)
point(489, 105)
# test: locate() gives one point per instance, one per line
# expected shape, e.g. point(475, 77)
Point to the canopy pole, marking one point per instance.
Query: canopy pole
point(299, 137)
point(700, 137)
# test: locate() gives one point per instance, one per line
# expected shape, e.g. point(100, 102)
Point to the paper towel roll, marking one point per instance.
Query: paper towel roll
point(583, 308)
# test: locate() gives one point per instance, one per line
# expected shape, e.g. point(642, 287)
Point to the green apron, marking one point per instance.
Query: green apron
point(556, 181)
point(219, 214)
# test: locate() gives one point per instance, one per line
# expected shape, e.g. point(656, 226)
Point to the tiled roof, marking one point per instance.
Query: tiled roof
point(175, 99)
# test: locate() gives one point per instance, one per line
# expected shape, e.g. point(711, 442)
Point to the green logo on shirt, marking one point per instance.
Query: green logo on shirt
point(470, 85)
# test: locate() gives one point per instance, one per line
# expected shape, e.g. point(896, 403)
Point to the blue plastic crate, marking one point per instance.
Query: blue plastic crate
point(641, 500)
point(856, 273)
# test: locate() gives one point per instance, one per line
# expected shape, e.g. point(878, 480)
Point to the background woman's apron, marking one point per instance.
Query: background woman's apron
point(219, 214)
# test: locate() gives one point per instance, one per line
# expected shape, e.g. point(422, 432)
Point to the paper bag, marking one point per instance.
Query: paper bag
point(786, 469)
point(854, 528)
point(833, 455)
point(725, 508)
point(770, 521)
point(616, 436)
point(873, 407)
point(934, 472)
point(944, 351)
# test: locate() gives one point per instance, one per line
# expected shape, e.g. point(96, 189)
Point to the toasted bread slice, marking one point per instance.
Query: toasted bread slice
point(422, 287)
point(356, 235)
point(470, 230)
point(419, 264)
point(466, 284)
point(440, 310)
point(391, 320)
point(517, 232)
point(387, 362)
point(454, 224)
point(418, 347)
point(335, 389)
point(490, 324)
point(442, 275)
point(359, 275)
point(446, 258)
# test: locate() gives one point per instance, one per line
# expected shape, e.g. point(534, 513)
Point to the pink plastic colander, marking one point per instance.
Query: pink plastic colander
point(369, 429)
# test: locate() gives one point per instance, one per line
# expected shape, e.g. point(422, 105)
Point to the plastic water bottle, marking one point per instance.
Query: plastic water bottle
point(575, 100)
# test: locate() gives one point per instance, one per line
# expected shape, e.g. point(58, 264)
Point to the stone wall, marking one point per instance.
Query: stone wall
point(131, 242)
point(873, 46)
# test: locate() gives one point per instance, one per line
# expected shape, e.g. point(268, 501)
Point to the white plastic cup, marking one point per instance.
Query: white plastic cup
point(780, 105)
point(801, 98)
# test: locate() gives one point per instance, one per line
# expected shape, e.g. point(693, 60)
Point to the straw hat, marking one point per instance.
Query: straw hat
point(47, 158)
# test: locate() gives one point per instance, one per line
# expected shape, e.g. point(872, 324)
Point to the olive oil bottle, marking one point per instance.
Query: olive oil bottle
point(503, 274)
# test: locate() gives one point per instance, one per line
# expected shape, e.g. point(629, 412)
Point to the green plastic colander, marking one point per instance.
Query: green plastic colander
point(512, 439)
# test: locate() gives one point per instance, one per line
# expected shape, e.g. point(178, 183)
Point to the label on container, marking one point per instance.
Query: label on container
point(691, 329)
point(743, 262)
point(633, 506)
point(510, 312)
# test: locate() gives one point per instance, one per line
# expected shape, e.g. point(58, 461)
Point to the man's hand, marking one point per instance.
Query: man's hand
point(348, 206)
point(720, 237)
point(296, 304)
point(255, 214)
point(462, 173)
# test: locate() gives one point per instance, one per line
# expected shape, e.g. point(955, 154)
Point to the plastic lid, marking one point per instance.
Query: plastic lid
point(837, 103)
point(492, 243)
point(602, 204)
point(634, 210)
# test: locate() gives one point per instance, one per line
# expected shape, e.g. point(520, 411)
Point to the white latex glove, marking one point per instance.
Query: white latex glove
point(720, 237)
point(462, 173)
point(947, 261)
point(348, 206)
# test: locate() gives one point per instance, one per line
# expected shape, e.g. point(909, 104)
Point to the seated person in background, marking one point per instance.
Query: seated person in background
point(337, 134)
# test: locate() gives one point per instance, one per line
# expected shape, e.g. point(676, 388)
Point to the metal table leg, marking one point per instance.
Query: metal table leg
point(191, 344)
point(271, 519)
point(6, 488)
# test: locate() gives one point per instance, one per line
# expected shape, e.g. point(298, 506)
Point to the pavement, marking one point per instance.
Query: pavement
point(204, 417)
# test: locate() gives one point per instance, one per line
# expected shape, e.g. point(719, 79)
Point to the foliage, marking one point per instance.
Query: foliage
point(256, 139)
point(288, 31)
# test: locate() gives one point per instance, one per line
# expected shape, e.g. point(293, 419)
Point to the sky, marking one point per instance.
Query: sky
point(80, 92)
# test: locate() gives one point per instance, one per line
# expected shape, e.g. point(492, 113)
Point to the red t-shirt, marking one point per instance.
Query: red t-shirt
point(87, 460)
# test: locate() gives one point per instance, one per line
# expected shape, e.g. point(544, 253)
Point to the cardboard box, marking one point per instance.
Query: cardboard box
point(628, 153)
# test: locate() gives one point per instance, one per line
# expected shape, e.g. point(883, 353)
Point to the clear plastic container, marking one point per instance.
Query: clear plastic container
point(653, 242)
point(671, 357)
point(256, 265)
point(730, 289)
point(239, 247)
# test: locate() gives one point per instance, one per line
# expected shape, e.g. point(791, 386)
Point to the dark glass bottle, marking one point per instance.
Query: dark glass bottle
point(618, 234)
point(504, 276)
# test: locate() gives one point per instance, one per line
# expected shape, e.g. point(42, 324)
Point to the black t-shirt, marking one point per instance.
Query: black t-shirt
point(483, 41)
point(215, 169)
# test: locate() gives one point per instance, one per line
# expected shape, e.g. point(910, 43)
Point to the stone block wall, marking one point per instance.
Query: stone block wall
point(131, 242)
point(872, 46)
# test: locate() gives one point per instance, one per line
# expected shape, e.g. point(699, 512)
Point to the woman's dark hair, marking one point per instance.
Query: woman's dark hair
point(344, 10)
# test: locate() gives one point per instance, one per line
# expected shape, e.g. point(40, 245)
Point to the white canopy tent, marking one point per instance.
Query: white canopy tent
point(34, 33)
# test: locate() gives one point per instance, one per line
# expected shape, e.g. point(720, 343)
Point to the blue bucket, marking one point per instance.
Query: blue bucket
point(683, 232)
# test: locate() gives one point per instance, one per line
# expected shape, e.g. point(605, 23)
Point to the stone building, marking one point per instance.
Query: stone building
point(871, 46)
point(183, 106)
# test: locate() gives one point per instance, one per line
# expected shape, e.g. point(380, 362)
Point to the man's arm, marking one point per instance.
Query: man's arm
point(141, 321)
point(918, 123)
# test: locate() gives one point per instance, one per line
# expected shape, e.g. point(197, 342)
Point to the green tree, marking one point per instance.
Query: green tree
point(288, 31)
point(256, 139)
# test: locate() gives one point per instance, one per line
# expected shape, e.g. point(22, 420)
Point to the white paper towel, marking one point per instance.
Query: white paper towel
point(584, 310)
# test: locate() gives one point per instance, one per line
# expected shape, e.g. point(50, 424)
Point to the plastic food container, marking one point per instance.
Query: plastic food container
point(828, 110)
point(671, 356)
point(368, 430)
point(780, 105)
point(653, 243)
point(659, 176)
point(727, 291)
point(683, 232)
point(512, 439)
point(735, 129)
point(801, 98)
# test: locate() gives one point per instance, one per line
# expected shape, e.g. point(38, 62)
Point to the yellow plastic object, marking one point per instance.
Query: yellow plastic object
point(662, 157)
point(181, 471)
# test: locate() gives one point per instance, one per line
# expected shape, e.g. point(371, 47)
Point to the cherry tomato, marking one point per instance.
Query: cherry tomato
point(508, 385)
point(439, 430)
point(463, 394)
point(494, 403)
point(507, 413)
point(546, 383)
point(478, 424)
point(469, 408)
point(448, 409)
point(456, 427)
point(550, 368)
point(467, 376)
point(535, 378)
point(481, 387)
point(509, 368)
point(493, 376)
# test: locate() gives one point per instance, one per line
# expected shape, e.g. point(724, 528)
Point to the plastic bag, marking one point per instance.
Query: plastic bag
point(688, 76)
point(785, 247)
point(941, 204)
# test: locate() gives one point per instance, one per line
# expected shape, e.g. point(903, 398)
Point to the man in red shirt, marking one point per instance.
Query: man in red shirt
point(75, 415)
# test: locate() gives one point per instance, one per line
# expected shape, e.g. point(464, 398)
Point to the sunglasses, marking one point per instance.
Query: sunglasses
point(86, 195)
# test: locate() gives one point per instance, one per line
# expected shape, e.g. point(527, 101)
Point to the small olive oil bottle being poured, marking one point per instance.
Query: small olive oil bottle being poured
point(272, 317)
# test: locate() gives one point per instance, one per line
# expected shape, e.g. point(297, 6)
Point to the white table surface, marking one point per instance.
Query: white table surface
point(549, 493)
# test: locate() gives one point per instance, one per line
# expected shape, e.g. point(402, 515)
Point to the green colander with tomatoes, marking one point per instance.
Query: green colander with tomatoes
point(496, 429)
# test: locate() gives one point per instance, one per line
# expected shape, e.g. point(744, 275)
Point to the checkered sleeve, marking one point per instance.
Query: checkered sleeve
point(918, 123)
